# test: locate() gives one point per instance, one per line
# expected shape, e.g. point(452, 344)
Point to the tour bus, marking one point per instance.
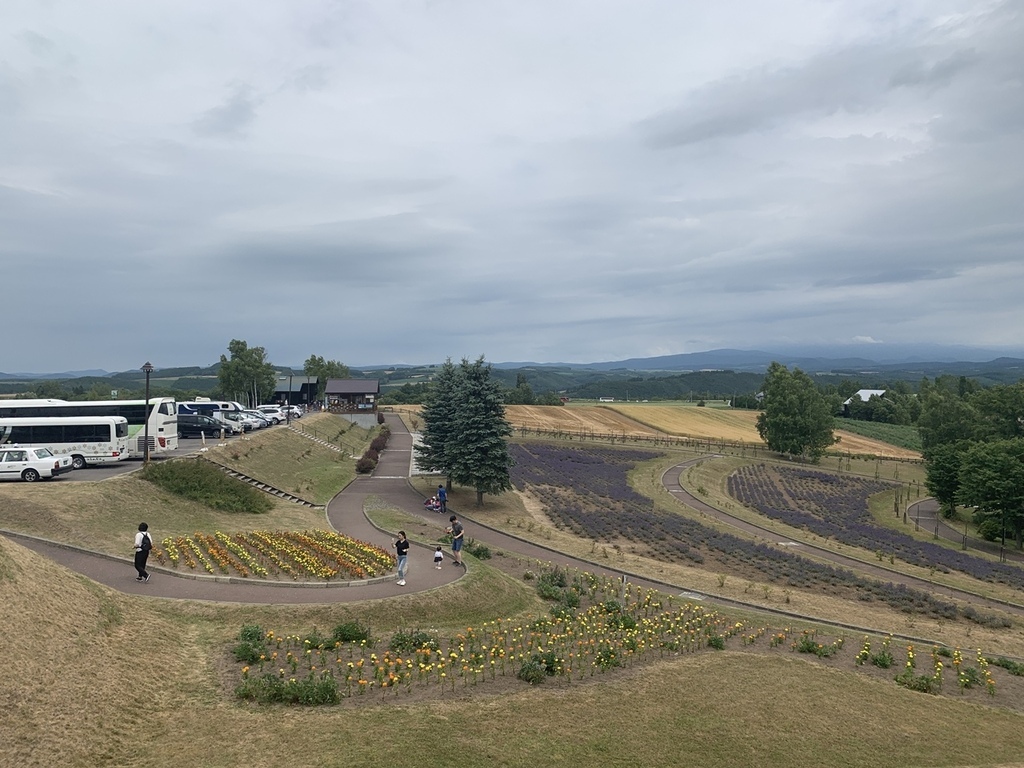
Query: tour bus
point(162, 417)
point(88, 440)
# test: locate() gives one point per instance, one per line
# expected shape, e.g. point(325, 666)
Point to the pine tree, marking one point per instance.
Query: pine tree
point(478, 451)
point(439, 422)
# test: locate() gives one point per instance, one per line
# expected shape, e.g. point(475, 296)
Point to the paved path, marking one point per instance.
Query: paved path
point(390, 482)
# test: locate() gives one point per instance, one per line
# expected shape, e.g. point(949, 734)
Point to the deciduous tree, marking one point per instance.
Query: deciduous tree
point(992, 481)
point(322, 370)
point(246, 376)
point(796, 418)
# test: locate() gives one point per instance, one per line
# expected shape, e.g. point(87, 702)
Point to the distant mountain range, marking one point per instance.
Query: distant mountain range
point(808, 359)
point(929, 360)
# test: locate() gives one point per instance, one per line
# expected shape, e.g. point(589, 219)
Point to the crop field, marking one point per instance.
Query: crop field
point(586, 491)
point(659, 420)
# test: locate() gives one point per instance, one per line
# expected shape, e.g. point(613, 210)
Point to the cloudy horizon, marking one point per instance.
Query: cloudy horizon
point(567, 181)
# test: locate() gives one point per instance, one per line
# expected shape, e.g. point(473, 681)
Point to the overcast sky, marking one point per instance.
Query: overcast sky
point(382, 182)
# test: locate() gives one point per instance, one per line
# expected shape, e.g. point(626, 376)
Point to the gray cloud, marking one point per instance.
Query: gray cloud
point(532, 181)
point(231, 118)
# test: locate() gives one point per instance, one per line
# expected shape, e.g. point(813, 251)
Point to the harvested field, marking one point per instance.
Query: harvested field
point(738, 426)
point(587, 419)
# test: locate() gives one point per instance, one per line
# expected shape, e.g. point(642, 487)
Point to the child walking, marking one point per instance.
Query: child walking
point(438, 558)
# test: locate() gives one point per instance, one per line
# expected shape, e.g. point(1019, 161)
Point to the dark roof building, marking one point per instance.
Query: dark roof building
point(348, 395)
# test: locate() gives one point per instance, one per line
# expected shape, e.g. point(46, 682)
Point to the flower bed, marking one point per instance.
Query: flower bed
point(309, 555)
point(610, 628)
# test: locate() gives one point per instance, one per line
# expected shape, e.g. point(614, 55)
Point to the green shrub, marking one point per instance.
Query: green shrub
point(532, 672)
point(251, 633)
point(1013, 667)
point(478, 550)
point(717, 642)
point(203, 482)
point(919, 683)
point(351, 632)
point(308, 691)
point(407, 642)
point(882, 659)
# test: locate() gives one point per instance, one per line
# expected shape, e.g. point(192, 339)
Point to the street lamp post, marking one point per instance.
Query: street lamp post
point(147, 369)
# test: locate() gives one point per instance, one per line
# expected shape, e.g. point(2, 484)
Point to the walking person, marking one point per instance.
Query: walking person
point(438, 557)
point(402, 549)
point(442, 498)
point(143, 543)
point(458, 533)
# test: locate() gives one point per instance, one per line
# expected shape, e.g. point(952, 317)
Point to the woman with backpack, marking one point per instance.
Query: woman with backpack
point(143, 543)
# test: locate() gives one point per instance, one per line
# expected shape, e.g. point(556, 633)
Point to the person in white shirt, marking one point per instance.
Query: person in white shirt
point(143, 543)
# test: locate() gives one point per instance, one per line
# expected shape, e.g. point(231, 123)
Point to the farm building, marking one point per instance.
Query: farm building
point(860, 396)
point(356, 399)
point(301, 392)
point(864, 395)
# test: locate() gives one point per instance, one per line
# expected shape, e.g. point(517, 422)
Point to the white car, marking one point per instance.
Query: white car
point(30, 464)
point(262, 419)
point(272, 412)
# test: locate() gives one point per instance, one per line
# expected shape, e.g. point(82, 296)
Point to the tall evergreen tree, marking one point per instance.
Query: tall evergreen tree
point(439, 422)
point(479, 453)
point(796, 418)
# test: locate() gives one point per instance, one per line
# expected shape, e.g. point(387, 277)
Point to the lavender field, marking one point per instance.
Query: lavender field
point(585, 490)
point(836, 506)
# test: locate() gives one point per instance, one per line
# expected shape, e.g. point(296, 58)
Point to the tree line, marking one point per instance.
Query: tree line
point(973, 441)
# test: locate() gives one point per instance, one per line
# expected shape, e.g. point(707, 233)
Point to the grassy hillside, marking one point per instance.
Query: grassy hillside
point(96, 677)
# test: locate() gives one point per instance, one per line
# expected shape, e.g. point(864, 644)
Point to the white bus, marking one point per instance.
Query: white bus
point(162, 414)
point(86, 439)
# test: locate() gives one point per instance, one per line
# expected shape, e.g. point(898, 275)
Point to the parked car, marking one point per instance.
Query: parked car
point(275, 412)
point(262, 420)
point(198, 425)
point(30, 464)
point(243, 423)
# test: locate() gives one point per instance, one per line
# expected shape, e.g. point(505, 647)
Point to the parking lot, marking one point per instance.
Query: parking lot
point(185, 448)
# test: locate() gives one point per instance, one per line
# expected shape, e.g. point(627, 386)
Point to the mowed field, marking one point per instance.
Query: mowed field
point(679, 420)
point(651, 420)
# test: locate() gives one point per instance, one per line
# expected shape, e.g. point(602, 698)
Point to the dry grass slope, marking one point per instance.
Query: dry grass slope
point(95, 678)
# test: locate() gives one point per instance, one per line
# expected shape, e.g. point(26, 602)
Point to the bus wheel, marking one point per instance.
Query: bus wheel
point(78, 462)
point(29, 475)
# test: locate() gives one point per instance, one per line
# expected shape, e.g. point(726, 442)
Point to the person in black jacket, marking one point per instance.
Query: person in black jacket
point(143, 543)
point(402, 550)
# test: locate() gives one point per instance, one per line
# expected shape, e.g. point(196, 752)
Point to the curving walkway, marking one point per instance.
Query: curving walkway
point(344, 513)
point(390, 482)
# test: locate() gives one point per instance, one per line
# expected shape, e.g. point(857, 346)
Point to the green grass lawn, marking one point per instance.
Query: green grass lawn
point(895, 434)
